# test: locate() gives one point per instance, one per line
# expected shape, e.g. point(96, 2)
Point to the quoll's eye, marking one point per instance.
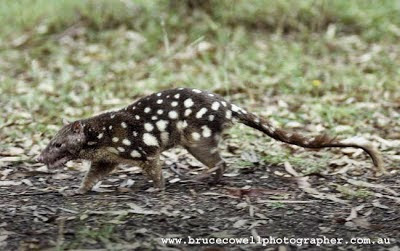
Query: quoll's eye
point(58, 145)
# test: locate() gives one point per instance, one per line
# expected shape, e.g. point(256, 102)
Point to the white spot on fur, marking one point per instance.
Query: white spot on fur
point(211, 117)
point(90, 143)
point(147, 109)
point(196, 136)
point(228, 114)
point(187, 112)
point(115, 139)
point(215, 105)
point(167, 96)
point(177, 95)
point(173, 115)
point(200, 113)
point(123, 124)
point(188, 103)
point(235, 108)
point(126, 142)
point(181, 88)
point(159, 94)
point(150, 140)
point(121, 149)
point(100, 135)
point(159, 112)
point(148, 127)
point(154, 117)
point(137, 117)
point(174, 104)
point(112, 116)
point(223, 103)
point(269, 128)
point(110, 127)
point(196, 91)
point(162, 125)
point(181, 125)
point(112, 150)
point(104, 128)
point(160, 101)
point(206, 131)
point(135, 133)
point(211, 95)
point(133, 107)
point(257, 120)
point(135, 154)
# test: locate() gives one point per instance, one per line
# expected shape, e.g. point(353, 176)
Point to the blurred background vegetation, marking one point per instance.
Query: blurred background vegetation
point(317, 62)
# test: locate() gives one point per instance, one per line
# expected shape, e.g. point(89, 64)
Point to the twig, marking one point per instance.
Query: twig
point(287, 201)
point(33, 193)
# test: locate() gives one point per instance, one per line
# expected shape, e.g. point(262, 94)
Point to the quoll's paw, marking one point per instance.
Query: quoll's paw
point(73, 192)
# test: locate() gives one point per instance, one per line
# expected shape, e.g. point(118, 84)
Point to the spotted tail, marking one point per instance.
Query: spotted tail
point(320, 141)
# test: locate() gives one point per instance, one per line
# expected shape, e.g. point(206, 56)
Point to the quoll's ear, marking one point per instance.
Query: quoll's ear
point(65, 121)
point(77, 127)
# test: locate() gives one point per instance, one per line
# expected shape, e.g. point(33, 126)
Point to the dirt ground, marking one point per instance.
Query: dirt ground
point(125, 213)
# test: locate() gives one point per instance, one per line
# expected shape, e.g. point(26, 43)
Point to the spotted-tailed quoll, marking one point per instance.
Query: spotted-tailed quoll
point(139, 133)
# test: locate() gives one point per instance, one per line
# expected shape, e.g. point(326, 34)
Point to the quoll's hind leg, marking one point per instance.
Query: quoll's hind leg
point(153, 170)
point(206, 151)
point(97, 171)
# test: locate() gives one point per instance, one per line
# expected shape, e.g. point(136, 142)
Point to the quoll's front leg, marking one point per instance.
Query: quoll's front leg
point(97, 171)
point(153, 170)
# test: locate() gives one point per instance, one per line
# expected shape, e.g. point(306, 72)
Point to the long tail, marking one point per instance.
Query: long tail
point(320, 141)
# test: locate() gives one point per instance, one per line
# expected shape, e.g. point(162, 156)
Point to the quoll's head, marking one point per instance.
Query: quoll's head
point(64, 146)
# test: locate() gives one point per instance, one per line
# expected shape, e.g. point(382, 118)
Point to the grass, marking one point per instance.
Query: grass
point(71, 59)
point(103, 234)
point(353, 194)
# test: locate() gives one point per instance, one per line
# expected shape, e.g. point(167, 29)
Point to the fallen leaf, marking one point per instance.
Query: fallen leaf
point(174, 180)
point(377, 204)
point(239, 223)
point(127, 183)
point(61, 176)
point(136, 209)
point(290, 170)
point(4, 183)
